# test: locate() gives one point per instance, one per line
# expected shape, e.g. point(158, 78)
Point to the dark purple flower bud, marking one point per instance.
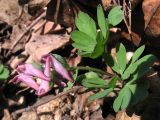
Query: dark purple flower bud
point(29, 69)
point(26, 79)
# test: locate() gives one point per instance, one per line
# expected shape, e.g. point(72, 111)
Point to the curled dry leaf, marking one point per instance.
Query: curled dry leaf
point(151, 10)
point(40, 45)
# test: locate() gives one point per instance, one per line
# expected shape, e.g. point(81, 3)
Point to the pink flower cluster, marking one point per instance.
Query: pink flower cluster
point(27, 73)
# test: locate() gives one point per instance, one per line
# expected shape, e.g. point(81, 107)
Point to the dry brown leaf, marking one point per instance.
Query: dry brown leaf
point(74, 59)
point(7, 115)
point(44, 44)
point(36, 6)
point(151, 10)
point(106, 4)
point(97, 115)
point(18, 60)
point(28, 116)
point(63, 14)
point(82, 104)
point(136, 39)
point(35, 3)
point(48, 26)
point(122, 115)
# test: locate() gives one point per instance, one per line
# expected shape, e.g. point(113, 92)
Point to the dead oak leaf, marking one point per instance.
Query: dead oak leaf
point(151, 10)
point(44, 44)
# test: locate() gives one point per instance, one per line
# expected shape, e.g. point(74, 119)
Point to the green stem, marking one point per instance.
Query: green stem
point(93, 69)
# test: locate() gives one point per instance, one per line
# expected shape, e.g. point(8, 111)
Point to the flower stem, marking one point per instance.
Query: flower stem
point(93, 69)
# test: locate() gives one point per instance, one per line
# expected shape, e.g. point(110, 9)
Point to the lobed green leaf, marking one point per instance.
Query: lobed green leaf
point(121, 57)
point(103, 24)
point(101, 94)
point(4, 74)
point(115, 16)
point(113, 81)
point(137, 54)
point(130, 70)
point(83, 41)
point(99, 48)
point(143, 66)
point(139, 91)
point(123, 100)
point(86, 24)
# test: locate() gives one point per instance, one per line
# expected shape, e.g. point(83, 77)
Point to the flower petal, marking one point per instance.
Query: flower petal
point(29, 69)
point(60, 69)
point(44, 86)
point(28, 80)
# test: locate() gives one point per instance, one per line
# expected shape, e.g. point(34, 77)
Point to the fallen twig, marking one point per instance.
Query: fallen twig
point(46, 99)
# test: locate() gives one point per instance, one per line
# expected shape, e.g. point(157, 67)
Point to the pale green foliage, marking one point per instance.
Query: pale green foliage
point(4, 72)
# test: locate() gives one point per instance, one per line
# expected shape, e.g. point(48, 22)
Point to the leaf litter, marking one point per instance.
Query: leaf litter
point(41, 39)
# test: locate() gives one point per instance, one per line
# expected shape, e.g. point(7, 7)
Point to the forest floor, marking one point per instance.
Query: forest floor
point(30, 29)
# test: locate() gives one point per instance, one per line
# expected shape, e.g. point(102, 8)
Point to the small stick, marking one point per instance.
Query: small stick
point(46, 99)
point(93, 69)
point(125, 20)
point(57, 11)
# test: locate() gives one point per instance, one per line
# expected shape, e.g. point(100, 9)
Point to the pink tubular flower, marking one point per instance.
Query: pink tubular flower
point(29, 69)
point(44, 86)
point(59, 68)
point(28, 80)
point(26, 73)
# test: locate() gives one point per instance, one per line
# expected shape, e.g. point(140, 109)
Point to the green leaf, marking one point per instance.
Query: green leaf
point(99, 48)
point(139, 91)
point(121, 57)
point(132, 65)
point(84, 54)
point(101, 94)
point(115, 16)
point(111, 62)
point(86, 24)
point(1, 68)
point(91, 75)
point(130, 70)
point(143, 66)
point(123, 99)
point(94, 83)
point(92, 80)
point(103, 24)
point(113, 81)
point(4, 74)
point(117, 103)
point(69, 85)
point(126, 98)
point(137, 54)
point(83, 41)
